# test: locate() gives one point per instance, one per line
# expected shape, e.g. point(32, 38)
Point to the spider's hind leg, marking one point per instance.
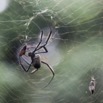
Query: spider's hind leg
point(36, 67)
point(33, 71)
point(51, 69)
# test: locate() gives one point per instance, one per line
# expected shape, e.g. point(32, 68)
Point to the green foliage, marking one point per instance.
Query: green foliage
point(79, 26)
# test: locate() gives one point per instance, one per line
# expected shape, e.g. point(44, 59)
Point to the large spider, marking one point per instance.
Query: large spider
point(35, 57)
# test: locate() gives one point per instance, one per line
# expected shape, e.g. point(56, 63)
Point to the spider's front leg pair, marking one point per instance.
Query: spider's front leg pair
point(44, 45)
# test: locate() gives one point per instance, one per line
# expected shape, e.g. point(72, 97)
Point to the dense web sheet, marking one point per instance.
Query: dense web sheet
point(75, 51)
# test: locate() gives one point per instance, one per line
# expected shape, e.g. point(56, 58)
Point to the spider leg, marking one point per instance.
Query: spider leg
point(43, 46)
point(26, 70)
point(48, 38)
point(50, 70)
point(44, 51)
point(39, 42)
point(33, 71)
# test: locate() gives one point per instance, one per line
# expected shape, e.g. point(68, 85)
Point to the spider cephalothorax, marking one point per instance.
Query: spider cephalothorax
point(35, 56)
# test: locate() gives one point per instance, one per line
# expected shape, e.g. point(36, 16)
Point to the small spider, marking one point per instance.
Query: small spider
point(35, 57)
point(92, 85)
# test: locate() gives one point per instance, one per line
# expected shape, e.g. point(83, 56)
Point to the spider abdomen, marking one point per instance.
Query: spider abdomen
point(37, 62)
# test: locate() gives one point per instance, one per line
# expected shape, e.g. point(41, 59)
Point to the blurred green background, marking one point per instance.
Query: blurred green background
point(77, 57)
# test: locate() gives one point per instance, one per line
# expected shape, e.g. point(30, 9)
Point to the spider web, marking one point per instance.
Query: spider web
point(75, 51)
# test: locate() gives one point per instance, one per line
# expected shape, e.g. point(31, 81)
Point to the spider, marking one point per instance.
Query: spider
point(35, 56)
point(92, 85)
